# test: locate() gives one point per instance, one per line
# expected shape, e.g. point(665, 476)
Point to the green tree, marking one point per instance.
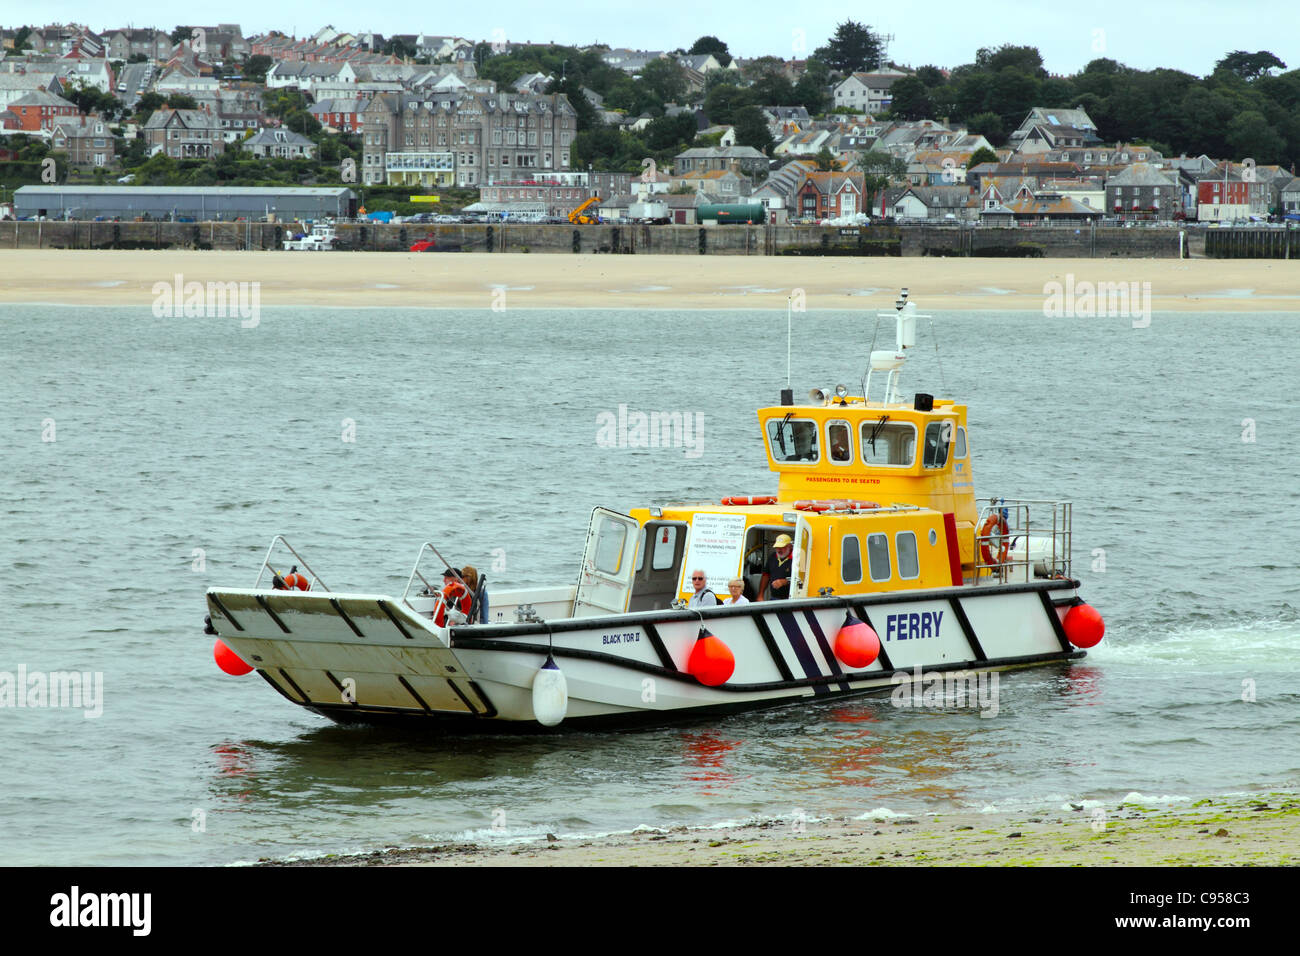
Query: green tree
point(180, 101)
point(670, 132)
point(256, 68)
point(1251, 135)
point(1026, 59)
point(981, 155)
point(910, 100)
point(826, 160)
point(711, 44)
point(665, 78)
point(1249, 66)
point(725, 101)
point(751, 129)
point(587, 117)
point(931, 76)
point(853, 48)
point(811, 90)
point(989, 125)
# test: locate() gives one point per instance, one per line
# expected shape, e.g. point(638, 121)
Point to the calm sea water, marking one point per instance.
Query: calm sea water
point(477, 430)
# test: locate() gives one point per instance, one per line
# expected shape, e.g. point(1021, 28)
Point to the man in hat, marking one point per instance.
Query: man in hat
point(777, 571)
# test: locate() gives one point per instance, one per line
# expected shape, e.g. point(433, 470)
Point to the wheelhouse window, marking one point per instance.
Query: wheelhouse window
point(839, 441)
point(792, 439)
point(961, 443)
point(850, 559)
point(609, 545)
point(878, 556)
point(888, 443)
point(909, 566)
point(938, 439)
point(665, 547)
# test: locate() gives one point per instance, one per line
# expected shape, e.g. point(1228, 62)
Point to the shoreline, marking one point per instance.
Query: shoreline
point(527, 281)
point(1257, 831)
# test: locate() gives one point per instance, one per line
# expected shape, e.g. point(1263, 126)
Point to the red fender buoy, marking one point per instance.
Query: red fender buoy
point(857, 645)
point(1083, 626)
point(711, 661)
point(228, 660)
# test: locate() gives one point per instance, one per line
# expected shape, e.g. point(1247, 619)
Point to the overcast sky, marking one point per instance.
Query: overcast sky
point(1189, 35)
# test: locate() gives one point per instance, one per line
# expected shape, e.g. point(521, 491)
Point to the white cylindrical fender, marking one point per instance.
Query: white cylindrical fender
point(550, 694)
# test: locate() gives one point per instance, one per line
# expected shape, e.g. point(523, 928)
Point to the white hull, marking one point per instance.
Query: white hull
point(358, 657)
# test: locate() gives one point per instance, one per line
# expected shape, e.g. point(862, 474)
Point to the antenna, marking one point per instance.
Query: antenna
point(789, 327)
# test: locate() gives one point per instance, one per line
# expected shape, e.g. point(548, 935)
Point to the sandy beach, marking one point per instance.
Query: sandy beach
point(1261, 831)
point(519, 280)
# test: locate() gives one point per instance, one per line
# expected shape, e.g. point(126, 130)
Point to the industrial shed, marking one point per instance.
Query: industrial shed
point(198, 203)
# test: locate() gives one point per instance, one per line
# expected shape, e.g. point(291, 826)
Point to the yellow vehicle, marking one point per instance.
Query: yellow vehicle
point(579, 216)
point(871, 557)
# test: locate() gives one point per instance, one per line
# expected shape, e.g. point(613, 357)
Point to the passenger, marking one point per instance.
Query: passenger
point(777, 571)
point(703, 597)
point(736, 586)
point(470, 574)
point(455, 596)
point(840, 446)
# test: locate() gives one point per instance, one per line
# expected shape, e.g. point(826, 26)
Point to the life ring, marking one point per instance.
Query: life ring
point(993, 521)
point(809, 505)
point(850, 504)
point(736, 500)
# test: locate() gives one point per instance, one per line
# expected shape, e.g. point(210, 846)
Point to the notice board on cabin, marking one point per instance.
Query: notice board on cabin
point(715, 545)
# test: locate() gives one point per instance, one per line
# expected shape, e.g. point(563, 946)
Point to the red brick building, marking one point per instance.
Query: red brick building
point(830, 195)
point(40, 110)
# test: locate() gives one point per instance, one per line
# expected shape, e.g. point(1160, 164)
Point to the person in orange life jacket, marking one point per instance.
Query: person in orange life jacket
point(777, 571)
point(455, 596)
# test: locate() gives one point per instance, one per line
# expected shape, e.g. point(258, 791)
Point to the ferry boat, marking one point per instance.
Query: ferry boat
point(893, 566)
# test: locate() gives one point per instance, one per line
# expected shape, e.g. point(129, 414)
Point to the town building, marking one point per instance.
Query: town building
point(489, 136)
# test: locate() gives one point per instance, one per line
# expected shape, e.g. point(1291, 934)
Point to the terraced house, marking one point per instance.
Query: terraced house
point(465, 138)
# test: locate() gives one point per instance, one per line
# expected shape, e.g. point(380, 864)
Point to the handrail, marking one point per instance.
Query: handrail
point(266, 564)
point(415, 572)
point(1016, 513)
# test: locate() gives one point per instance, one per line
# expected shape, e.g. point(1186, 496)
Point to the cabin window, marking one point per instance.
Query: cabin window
point(850, 559)
point(610, 539)
point(888, 443)
point(909, 568)
point(640, 549)
point(961, 443)
point(792, 439)
point(878, 556)
point(938, 437)
point(665, 547)
point(840, 442)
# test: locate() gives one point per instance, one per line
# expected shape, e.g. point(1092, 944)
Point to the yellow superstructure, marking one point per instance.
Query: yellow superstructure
point(876, 497)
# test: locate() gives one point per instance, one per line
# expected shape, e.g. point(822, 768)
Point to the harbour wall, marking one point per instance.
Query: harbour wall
point(1087, 242)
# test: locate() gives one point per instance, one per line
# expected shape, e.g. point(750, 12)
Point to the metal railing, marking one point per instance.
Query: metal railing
point(317, 583)
point(1017, 549)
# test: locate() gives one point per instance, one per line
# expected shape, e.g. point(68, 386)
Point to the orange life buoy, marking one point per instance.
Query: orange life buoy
point(809, 505)
point(993, 521)
point(860, 505)
point(734, 500)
